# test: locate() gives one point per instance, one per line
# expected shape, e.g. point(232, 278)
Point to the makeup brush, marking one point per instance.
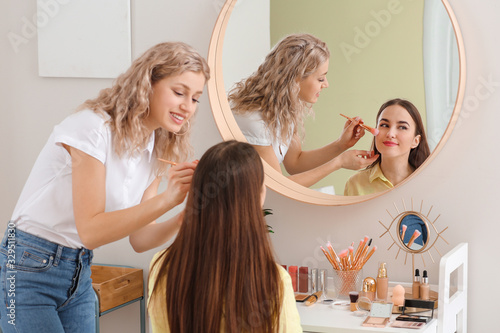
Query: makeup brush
point(351, 255)
point(330, 259)
point(369, 255)
point(313, 298)
point(372, 130)
point(415, 235)
point(403, 232)
point(361, 248)
point(167, 161)
point(343, 259)
point(332, 252)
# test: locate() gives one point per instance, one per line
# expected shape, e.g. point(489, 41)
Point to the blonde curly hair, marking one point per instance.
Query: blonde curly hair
point(274, 88)
point(127, 101)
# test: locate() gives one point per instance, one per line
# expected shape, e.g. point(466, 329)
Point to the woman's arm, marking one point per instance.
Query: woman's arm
point(351, 159)
point(297, 160)
point(97, 227)
point(155, 234)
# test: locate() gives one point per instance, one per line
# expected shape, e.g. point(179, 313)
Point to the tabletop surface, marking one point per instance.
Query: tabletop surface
point(338, 318)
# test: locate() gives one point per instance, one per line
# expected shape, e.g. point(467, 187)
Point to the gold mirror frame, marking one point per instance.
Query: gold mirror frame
point(229, 129)
point(433, 235)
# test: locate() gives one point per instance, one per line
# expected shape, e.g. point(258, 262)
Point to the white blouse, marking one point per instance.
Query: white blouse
point(45, 207)
point(257, 133)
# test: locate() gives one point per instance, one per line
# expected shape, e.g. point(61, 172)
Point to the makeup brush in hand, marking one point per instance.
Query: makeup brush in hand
point(372, 130)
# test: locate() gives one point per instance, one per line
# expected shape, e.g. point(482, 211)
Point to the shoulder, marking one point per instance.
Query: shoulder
point(87, 131)
point(356, 184)
point(360, 175)
point(283, 273)
point(254, 128)
point(249, 119)
point(84, 121)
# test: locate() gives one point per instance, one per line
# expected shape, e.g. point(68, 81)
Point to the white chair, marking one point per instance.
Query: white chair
point(452, 309)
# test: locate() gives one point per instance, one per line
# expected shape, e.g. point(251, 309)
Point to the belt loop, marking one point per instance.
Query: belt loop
point(58, 254)
point(11, 230)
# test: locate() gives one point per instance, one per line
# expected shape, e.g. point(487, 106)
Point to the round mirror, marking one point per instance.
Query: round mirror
point(413, 231)
point(377, 54)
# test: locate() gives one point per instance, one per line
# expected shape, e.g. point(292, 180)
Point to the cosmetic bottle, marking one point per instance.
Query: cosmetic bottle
point(369, 288)
point(314, 280)
point(424, 287)
point(416, 285)
point(382, 282)
point(293, 271)
point(303, 279)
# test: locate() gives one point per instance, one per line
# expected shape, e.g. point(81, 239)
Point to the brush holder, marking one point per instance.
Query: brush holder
point(346, 281)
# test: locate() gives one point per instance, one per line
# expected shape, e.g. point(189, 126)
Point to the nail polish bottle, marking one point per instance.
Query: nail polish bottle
point(424, 287)
point(416, 285)
point(382, 282)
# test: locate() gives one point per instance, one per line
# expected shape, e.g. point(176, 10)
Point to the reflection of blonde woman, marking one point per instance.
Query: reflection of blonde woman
point(219, 275)
point(271, 104)
point(402, 145)
point(95, 182)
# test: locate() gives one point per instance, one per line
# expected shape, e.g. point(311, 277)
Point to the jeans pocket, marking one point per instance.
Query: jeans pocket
point(32, 260)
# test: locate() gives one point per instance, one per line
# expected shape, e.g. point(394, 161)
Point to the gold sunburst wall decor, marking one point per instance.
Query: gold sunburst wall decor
point(413, 232)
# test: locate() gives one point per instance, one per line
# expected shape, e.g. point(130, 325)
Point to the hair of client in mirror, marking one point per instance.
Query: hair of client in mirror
point(221, 264)
point(274, 88)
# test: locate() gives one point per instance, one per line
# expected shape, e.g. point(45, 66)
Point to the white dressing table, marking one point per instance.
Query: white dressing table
point(451, 315)
point(339, 319)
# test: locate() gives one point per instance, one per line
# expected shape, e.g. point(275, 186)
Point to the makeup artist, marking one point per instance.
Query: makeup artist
point(271, 104)
point(402, 147)
point(95, 182)
point(219, 275)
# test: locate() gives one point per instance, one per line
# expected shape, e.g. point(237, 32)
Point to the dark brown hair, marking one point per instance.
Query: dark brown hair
point(221, 264)
point(418, 154)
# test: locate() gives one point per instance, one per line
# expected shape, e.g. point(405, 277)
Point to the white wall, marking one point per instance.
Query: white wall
point(461, 183)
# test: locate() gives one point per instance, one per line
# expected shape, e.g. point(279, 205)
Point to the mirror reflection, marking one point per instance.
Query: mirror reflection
point(413, 232)
point(379, 50)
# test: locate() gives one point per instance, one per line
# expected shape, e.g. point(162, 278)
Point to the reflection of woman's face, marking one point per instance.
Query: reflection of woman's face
point(311, 86)
point(397, 132)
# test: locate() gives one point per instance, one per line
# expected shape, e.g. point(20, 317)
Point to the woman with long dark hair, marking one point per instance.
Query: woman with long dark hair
point(219, 275)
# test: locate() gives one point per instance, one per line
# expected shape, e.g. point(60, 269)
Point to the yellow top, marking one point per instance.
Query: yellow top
point(367, 181)
point(289, 316)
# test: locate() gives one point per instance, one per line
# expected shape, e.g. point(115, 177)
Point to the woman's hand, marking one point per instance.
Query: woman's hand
point(179, 181)
point(351, 133)
point(357, 159)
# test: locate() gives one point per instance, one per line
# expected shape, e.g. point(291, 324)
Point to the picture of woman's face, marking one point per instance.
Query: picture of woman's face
point(397, 132)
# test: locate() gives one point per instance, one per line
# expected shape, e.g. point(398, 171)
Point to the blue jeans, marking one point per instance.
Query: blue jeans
point(44, 286)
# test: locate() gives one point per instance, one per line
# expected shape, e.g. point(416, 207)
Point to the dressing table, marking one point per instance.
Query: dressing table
point(451, 315)
point(322, 318)
point(338, 318)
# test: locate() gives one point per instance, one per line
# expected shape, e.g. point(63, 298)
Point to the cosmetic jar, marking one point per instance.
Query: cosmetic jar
point(369, 288)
